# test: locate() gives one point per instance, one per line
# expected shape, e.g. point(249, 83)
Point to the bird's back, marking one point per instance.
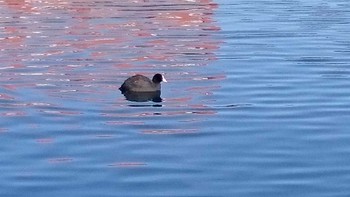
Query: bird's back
point(139, 83)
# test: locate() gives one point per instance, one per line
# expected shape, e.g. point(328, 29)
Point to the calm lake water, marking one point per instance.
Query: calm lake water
point(257, 101)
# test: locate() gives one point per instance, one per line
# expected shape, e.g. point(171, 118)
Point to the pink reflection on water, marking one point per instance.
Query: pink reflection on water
point(18, 5)
point(184, 18)
point(3, 130)
point(6, 97)
point(124, 123)
point(81, 50)
point(13, 114)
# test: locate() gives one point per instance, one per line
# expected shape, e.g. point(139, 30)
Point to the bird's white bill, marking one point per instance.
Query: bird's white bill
point(163, 79)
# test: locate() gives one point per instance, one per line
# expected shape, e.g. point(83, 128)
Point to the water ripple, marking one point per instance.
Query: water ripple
point(257, 102)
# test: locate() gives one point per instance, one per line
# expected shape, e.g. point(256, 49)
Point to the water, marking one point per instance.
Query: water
point(257, 102)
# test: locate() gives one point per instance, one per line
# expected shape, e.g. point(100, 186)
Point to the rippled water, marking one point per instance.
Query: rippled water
point(257, 104)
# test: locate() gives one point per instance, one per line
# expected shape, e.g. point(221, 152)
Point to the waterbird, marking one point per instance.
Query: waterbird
point(140, 83)
point(140, 88)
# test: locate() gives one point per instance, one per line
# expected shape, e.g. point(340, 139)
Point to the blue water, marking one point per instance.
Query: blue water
point(257, 101)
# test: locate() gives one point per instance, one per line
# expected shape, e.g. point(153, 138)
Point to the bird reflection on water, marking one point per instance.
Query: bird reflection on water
point(143, 96)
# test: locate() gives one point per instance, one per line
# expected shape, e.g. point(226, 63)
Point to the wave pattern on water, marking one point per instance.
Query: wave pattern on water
point(257, 102)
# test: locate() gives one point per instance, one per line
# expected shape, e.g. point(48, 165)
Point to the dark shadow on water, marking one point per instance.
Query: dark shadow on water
point(150, 105)
point(143, 96)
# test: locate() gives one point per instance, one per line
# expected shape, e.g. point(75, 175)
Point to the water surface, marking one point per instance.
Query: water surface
point(257, 102)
